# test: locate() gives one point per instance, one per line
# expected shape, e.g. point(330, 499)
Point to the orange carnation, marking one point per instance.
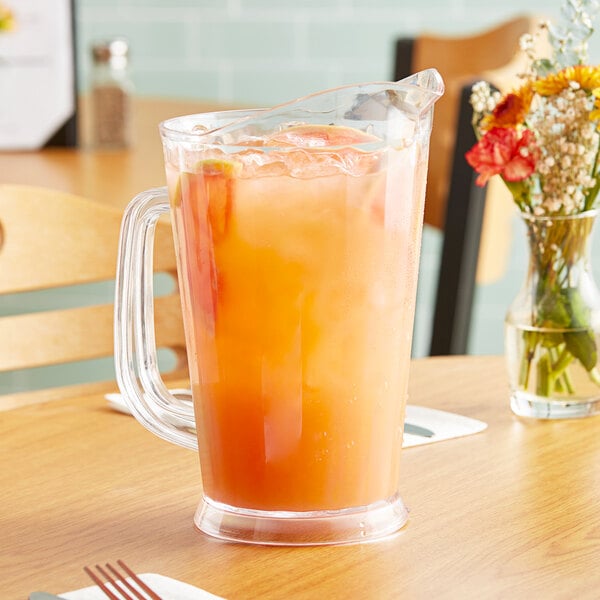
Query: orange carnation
point(511, 110)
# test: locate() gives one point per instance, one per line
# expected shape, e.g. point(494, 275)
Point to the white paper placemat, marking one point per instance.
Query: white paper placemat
point(169, 589)
point(444, 425)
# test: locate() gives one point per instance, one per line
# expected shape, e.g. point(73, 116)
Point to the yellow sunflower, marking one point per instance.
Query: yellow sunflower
point(595, 114)
point(7, 20)
point(586, 76)
point(511, 110)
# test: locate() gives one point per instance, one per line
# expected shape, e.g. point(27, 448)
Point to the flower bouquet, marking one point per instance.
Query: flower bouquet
point(542, 139)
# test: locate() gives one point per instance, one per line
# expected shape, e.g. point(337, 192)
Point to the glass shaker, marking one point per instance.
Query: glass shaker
point(111, 95)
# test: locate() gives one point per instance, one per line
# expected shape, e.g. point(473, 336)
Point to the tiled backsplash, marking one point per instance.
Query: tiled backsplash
point(262, 52)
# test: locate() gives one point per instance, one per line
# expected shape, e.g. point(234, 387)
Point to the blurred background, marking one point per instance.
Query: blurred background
point(263, 52)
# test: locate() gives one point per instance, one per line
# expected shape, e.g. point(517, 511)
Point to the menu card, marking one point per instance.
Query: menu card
point(37, 76)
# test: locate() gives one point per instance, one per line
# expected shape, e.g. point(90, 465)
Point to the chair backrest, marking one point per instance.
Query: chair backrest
point(51, 239)
point(476, 243)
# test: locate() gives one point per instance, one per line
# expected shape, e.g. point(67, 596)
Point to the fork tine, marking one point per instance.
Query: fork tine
point(124, 581)
point(135, 578)
point(119, 583)
point(100, 583)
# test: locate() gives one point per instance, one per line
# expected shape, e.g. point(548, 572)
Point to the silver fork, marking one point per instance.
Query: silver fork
point(117, 586)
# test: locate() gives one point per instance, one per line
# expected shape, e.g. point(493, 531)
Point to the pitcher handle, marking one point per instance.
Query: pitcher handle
point(136, 364)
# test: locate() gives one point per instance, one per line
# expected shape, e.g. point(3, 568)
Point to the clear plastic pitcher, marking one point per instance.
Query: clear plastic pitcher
point(297, 232)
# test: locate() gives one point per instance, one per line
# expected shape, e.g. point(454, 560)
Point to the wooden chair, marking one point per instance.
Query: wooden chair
point(51, 239)
point(476, 244)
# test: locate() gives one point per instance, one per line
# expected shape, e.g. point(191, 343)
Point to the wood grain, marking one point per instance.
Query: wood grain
point(511, 512)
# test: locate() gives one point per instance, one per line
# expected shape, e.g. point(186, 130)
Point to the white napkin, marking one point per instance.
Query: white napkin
point(444, 425)
point(169, 589)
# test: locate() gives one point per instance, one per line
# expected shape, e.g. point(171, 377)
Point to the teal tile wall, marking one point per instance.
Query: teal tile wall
point(262, 52)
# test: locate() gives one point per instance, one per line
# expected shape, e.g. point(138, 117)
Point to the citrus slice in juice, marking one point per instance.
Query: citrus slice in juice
point(217, 177)
point(206, 198)
point(316, 136)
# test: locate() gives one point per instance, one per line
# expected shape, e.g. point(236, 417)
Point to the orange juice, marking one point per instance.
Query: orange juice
point(298, 281)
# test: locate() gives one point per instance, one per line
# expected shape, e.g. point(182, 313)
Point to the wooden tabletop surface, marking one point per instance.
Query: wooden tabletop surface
point(511, 512)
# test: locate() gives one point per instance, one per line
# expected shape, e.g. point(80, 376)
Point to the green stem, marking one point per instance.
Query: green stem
point(530, 339)
point(543, 376)
point(568, 383)
point(563, 361)
point(559, 370)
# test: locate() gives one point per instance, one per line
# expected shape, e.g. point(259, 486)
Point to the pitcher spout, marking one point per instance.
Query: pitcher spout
point(427, 88)
point(398, 111)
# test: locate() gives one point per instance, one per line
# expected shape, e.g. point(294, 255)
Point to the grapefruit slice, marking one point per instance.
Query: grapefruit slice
point(218, 181)
point(206, 198)
point(319, 136)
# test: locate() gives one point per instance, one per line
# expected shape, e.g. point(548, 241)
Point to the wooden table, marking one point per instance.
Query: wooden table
point(110, 176)
point(508, 513)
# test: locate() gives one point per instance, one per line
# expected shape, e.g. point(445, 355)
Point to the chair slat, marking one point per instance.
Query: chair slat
point(50, 239)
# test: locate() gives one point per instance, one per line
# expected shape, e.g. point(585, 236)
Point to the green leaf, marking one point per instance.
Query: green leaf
point(582, 345)
point(553, 311)
point(579, 313)
point(520, 191)
point(543, 67)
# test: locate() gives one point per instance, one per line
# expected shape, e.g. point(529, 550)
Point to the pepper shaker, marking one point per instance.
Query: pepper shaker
point(111, 94)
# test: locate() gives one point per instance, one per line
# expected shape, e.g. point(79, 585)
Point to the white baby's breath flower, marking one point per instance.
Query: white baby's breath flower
point(526, 42)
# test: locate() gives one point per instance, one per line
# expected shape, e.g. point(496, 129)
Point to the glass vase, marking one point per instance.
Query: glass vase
point(552, 327)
